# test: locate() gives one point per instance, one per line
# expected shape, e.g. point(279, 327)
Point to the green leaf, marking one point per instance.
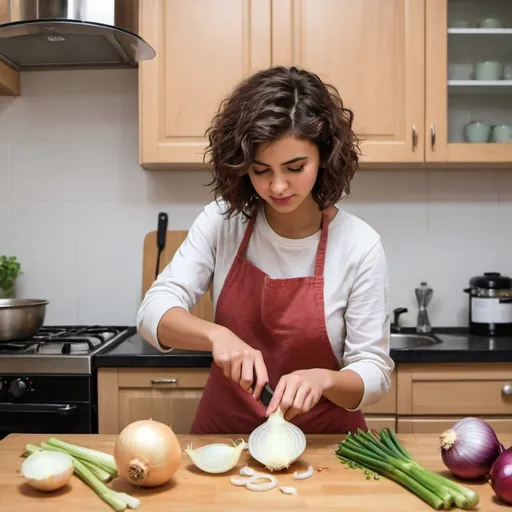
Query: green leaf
point(10, 270)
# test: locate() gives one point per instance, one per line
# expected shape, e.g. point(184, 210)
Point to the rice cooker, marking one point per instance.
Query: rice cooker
point(490, 305)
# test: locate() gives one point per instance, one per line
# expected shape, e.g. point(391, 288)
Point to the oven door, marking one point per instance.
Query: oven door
point(45, 418)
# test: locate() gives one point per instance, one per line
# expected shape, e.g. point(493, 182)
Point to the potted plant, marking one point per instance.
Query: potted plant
point(10, 269)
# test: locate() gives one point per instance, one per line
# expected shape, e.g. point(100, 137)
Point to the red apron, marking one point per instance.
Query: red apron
point(285, 320)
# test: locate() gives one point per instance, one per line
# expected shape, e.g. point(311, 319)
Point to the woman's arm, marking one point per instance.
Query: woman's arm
point(366, 375)
point(163, 318)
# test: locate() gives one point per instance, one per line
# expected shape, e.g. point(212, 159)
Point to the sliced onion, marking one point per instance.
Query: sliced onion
point(47, 470)
point(247, 471)
point(304, 474)
point(240, 482)
point(470, 448)
point(501, 476)
point(288, 490)
point(253, 485)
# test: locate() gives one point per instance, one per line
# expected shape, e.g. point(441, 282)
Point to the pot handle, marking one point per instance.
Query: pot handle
point(467, 290)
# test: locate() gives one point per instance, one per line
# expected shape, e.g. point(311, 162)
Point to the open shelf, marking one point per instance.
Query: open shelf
point(481, 31)
point(480, 86)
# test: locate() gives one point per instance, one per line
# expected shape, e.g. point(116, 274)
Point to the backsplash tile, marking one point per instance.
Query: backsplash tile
point(75, 206)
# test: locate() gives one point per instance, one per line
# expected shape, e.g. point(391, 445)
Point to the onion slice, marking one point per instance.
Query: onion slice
point(253, 485)
point(47, 470)
point(304, 474)
point(288, 490)
point(247, 471)
point(240, 482)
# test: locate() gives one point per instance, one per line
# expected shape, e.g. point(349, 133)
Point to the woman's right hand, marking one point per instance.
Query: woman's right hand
point(238, 361)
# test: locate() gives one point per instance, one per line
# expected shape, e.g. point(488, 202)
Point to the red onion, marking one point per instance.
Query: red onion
point(501, 476)
point(470, 448)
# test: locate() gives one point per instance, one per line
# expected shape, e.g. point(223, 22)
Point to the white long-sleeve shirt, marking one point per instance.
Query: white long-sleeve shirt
point(356, 290)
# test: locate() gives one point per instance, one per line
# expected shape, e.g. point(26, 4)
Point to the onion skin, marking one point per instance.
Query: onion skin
point(501, 476)
point(470, 448)
point(147, 453)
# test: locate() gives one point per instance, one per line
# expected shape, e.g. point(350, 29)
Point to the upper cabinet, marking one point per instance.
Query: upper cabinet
point(429, 81)
point(468, 81)
point(9, 79)
point(372, 51)
point(204, 48)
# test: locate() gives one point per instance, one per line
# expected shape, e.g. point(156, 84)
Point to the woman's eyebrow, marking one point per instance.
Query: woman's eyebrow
point(292, 161)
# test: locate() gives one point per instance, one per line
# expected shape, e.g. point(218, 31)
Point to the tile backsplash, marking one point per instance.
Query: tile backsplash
point(75, 206)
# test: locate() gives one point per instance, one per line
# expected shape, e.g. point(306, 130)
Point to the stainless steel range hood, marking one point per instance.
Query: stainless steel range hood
point(64, 34)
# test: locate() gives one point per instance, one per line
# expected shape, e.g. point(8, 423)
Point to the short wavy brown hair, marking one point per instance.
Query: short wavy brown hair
point(266, 106)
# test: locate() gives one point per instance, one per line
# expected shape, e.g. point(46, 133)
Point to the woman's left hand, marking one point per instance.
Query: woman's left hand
point(298, 392)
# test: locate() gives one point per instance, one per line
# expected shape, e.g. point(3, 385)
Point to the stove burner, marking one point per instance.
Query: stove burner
point(65, 340)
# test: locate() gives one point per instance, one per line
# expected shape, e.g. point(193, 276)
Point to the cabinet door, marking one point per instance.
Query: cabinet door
point(459, 91)
point(168, 395)
point(203, 49)
point(373, 52)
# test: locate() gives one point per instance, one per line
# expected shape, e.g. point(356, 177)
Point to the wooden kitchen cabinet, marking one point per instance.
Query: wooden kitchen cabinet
point(433, 397)
point(168, 395)
point(203, 49)
point(9, 79)
point(372, 51)
point(455, 95)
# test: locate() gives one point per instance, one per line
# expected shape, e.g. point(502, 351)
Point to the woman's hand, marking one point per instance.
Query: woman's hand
point(298, 392)
point(239, 361)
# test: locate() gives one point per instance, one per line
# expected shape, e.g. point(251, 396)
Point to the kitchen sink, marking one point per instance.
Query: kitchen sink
point(412, 341)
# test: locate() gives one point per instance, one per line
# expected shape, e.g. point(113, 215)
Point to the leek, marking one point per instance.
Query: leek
point(383, 453)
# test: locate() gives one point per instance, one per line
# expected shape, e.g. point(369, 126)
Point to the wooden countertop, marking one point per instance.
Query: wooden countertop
point(336, 488)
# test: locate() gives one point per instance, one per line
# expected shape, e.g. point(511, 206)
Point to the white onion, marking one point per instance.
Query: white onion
point(302, 475)
point(47, 471)
point(216, 457)
point(253, 485)
point(277, 443)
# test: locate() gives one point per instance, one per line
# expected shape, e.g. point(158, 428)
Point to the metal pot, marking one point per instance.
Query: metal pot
point(21, 318)
point(490, 305)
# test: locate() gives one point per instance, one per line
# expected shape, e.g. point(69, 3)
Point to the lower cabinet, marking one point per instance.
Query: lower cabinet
point(423, 398)
point(168, 395)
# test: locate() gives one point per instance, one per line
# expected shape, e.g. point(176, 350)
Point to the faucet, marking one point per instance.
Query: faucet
point(423, 295)
point(396, 317)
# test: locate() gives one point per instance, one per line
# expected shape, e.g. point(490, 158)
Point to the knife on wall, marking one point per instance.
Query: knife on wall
point(161, 234)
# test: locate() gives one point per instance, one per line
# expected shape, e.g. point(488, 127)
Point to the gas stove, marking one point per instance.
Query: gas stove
point(60, 349)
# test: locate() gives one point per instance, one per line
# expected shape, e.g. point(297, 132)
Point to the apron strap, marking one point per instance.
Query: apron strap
point(247, 235)
point(322, 245)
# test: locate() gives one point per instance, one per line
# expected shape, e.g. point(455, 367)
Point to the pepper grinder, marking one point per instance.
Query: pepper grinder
point(423, 296)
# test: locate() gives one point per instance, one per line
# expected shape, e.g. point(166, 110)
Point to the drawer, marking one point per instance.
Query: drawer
point(192, 378)
point(450, 390)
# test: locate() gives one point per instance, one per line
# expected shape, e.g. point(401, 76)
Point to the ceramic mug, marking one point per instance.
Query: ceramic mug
point(477, 132)
point(490, 23)
point(502, 133)
point(489, 70)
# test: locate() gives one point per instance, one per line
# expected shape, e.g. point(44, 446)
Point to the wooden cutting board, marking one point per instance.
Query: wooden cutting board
point(204, 308)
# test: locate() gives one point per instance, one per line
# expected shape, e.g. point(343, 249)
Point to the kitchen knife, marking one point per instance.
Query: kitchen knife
point(266, 394)
point(161, 234)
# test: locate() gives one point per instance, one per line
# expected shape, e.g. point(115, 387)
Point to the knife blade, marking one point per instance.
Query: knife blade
point(266, 394)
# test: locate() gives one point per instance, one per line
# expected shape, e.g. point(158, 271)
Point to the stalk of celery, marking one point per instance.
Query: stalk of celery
point(100, 459)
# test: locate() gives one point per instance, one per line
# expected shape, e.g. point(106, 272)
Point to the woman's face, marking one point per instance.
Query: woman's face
point(283, 172)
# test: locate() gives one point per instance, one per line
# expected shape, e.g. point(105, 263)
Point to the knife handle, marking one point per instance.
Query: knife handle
point(163, 220)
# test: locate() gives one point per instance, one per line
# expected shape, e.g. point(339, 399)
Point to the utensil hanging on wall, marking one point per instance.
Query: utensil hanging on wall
point(161, 233)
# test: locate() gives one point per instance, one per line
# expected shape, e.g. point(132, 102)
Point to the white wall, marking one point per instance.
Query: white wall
point(75, 206)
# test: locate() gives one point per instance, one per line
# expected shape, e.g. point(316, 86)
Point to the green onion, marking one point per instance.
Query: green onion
point(103, 460)
point(383, 453)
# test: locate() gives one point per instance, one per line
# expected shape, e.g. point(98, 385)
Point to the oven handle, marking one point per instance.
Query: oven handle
point(61, 410)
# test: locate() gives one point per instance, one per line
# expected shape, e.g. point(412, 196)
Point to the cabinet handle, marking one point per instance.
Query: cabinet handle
point(164, 381)
point(432, 136)
point(414, 137)
point(507, 389)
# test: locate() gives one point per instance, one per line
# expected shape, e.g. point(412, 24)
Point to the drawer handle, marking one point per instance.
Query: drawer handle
point(164, 381)
point(507, 389)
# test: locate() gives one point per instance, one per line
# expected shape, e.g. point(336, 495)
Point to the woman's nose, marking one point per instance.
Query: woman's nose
point(278, 185)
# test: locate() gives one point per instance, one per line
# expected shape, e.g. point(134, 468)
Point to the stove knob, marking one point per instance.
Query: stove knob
point(18, 388)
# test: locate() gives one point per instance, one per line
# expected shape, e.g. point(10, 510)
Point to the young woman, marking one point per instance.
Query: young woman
point(299, 287)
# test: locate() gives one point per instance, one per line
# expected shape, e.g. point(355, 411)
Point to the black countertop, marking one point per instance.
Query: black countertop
point(454, 345)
